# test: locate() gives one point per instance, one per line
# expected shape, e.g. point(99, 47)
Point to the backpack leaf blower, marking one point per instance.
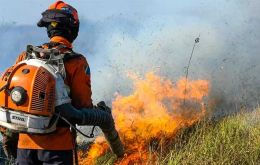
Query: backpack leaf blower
point(33, 97)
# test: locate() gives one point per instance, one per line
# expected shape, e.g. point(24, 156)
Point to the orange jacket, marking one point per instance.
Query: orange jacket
point(78, 79)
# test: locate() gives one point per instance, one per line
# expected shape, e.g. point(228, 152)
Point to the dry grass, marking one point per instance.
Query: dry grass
point(231, 140)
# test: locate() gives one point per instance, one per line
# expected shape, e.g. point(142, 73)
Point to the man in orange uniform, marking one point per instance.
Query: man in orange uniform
point(62, 23)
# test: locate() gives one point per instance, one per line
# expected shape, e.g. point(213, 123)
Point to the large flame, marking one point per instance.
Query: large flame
point(154, 112)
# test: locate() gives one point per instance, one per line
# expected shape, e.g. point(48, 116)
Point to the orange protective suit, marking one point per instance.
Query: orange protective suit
point(78, 79)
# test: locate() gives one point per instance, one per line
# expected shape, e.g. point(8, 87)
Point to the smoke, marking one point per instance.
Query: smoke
point(227, 55)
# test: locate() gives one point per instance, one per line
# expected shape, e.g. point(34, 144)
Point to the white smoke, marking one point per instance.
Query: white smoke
point(159, 38)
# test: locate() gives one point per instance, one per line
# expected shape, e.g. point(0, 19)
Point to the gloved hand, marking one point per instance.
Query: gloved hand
point(102, 106)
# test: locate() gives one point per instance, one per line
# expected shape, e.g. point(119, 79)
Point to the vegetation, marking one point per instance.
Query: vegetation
point(231, 140)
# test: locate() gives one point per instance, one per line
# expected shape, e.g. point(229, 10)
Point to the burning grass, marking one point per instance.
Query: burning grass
point(157, 128)
point(148, 119)
point(231, 140)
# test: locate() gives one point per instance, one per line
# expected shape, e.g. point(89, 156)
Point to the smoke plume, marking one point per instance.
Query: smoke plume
point(227, 55)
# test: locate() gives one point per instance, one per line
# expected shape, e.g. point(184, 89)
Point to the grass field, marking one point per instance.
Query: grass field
point(230, 140)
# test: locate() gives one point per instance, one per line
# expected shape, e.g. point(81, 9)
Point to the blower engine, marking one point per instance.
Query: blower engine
point(30, 90)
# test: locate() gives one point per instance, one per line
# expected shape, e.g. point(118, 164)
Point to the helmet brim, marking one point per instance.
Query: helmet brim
point(54, 15)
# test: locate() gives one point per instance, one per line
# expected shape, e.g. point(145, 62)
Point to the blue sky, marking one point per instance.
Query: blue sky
point(139, 35)
point(28, 11)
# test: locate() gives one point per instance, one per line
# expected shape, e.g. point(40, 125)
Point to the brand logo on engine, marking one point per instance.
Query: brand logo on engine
point(18, 118)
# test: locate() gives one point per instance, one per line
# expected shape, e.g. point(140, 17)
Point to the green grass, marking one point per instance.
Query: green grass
point(231, 140)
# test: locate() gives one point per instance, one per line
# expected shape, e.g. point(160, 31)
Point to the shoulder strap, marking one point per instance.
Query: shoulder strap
point(53, 56)
point(38, 52)
point(51, 45)
point(71, 55)
point(68, 54)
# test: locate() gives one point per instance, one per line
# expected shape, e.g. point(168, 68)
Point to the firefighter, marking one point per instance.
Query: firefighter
point(62, 24)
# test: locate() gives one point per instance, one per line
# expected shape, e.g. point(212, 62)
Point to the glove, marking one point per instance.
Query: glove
point(102, 106)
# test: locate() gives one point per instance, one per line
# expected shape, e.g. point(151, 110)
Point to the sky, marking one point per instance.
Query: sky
point(89, 9)
point(28, 11)
point(143, 35)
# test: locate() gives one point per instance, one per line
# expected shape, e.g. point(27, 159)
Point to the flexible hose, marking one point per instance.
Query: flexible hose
point(87, 116)
point(97, 117)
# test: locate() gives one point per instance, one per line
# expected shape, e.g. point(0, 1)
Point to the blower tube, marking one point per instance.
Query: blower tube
point(97, 117)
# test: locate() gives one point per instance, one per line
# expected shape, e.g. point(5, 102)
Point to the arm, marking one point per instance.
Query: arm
point(78, 79)
point(81, 110)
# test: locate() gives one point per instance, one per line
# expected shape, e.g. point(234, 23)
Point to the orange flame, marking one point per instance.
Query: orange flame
point(155, 110)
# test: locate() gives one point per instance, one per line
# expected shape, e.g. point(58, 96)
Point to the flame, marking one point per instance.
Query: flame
point(153, 113)
point(98, 148)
